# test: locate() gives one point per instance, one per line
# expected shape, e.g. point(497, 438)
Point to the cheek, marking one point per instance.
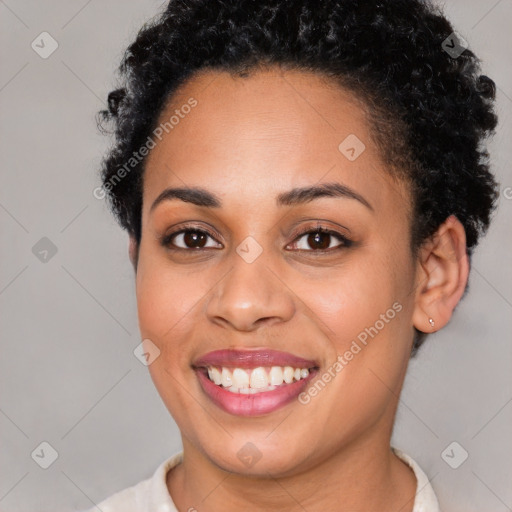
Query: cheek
point(366, 317)
point(166, 302)
point(366, 308)
point(353, 296)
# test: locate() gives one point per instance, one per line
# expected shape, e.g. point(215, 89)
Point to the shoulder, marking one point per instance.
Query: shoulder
point(149, 494)
point(426, 499)
point(127, 500)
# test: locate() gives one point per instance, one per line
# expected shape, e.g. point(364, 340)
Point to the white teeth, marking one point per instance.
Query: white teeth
point(240, 378)
point(276, 375)
point(250, 391)
point(214, 375)
point(288, 374)
point(226, 378)
point(304, 372)
point(257, 380)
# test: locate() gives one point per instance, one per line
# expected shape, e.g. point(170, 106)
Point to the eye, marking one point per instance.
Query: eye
point(190, 239)
point(320, 240)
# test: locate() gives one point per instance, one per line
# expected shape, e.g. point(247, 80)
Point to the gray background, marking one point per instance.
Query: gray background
point(68, 375)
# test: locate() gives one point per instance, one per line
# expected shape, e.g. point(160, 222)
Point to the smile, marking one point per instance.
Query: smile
point(250, 383)
point(239, 380)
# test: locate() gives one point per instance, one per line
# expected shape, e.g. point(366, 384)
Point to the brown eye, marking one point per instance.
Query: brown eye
point(189, 239)
point(194, 239)
point(320, 239)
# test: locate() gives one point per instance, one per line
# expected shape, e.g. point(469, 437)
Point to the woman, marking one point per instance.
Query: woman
point(303, 184)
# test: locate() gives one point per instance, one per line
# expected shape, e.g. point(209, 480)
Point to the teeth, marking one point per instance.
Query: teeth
point(259, 378)
point(288, 374)
point(214, 375)
point(276, 375)
point(250, 391)
point(240, 379)
point(226, 378)
point(248, 382)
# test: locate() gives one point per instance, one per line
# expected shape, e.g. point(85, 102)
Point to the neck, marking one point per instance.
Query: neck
point(362, 476)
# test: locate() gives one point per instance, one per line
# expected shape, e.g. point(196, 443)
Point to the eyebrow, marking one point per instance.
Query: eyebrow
point(202, 197)
point(305, 194)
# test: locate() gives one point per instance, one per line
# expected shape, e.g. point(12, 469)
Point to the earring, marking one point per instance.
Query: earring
point(432, 323)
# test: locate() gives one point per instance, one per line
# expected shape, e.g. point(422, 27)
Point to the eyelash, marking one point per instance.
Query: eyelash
point(345, 242)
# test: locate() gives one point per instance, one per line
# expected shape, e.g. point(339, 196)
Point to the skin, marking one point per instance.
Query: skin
point(248, 140)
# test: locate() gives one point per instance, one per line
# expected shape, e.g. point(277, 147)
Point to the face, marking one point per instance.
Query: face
point(282, 317)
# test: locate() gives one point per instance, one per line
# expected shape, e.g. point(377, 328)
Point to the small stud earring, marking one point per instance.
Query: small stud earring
point(432, 323)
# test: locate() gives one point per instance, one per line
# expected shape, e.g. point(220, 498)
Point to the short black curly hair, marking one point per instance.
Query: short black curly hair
point(435, 106)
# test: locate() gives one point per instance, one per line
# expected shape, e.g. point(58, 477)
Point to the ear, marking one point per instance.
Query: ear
point(133, 252)
point(441, 277)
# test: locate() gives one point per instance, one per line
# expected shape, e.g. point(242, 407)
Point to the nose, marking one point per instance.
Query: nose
point(251, 295)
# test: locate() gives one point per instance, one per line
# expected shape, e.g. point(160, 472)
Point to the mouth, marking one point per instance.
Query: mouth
point(255, 382)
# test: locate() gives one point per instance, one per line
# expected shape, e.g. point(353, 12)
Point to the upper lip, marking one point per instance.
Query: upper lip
point(252, 358)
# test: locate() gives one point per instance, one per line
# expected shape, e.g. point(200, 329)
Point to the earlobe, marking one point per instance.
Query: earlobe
point(133, 252)
point(442, 275)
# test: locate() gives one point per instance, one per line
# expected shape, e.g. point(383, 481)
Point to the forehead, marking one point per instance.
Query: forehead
point(253, 136)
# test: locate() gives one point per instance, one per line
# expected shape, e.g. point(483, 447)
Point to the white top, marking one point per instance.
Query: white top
point(151, 495)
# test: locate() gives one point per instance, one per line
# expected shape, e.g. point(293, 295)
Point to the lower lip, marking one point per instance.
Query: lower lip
point(255, 404)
